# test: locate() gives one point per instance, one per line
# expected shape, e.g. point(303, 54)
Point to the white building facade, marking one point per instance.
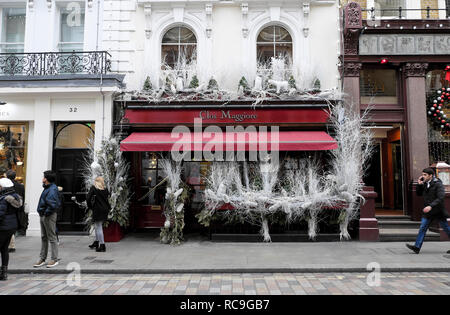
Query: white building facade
point(226, 35)
point(56, 84)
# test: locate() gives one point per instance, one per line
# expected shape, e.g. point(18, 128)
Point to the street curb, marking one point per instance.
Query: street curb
point(237, 270)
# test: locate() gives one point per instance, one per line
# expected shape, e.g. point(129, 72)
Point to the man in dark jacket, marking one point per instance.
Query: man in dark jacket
point(433, 192)
point(48, 205)
point(20, 190)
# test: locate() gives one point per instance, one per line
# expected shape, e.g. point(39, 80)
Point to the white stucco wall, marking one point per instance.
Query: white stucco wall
point(40, 110)
point(133, 30)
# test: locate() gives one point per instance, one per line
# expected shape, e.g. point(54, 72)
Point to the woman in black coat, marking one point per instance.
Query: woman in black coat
point(10, 202)
point(97, 200)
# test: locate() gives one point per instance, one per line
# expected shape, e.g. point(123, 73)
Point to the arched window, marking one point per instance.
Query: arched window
point(178, 47)
point(73, 135)
point(273, 41)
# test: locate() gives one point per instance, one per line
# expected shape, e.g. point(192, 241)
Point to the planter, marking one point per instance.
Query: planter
point(113, 233)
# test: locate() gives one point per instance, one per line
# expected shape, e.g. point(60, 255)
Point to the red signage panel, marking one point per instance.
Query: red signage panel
point(227, 116)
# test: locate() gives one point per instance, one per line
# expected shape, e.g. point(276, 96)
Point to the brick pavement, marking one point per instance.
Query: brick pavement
point(405, 283)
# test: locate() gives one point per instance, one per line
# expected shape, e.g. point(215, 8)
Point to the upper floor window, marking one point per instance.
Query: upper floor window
point(178, 47)
point(71, 28)
point(273, 41)
point(390, 8)
point(12, 30)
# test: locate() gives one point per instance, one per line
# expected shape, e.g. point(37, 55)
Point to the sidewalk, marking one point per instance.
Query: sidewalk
point(143, 254)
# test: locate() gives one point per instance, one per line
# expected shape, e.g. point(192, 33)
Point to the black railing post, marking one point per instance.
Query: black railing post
point(428, 12)
point(399, 12)
point(372, 13)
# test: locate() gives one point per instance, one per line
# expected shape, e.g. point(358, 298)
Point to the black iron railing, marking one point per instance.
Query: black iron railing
point(400, 12)
point(55, 63)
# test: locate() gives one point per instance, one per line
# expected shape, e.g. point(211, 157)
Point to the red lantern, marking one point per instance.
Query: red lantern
point(443, 121)
point(434, 115)
point(438, 111)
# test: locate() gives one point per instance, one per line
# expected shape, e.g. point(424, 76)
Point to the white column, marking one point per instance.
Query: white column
point(103, 119)
point(39, 160)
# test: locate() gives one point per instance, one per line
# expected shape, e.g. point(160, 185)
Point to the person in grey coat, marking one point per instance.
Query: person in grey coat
point(433, 192)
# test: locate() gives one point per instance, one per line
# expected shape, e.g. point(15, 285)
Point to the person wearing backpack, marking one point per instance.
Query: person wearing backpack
point(10, 202)
point(97, 200)
point(47, 208)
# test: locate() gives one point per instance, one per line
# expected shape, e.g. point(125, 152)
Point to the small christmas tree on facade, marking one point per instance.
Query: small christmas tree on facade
point(291, 82)
point(243, 85)
point(147, 85)
point(194, 82)
point(109, 163)
point(213, 85)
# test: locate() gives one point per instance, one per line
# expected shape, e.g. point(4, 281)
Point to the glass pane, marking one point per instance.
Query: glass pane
point(149, 160)
point(74, 136)
point(376, 82)
point(176, 56)
point(435, 80)
point(274, 33)
point(281, 35)
point(13, 147)
point(72, 28)
point(14, 25)
point(179, 35)
point(266, 35)
point(385, 5)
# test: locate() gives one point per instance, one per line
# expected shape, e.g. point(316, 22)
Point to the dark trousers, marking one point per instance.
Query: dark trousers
point(5, 238)
point(24, 218)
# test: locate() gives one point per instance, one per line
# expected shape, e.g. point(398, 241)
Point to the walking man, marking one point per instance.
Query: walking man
point(433, 192)
point(47, 209)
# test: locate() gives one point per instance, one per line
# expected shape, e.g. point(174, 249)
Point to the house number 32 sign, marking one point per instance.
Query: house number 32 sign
point(73, 109)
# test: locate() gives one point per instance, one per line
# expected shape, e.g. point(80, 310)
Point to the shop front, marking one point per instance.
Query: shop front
point(211, 132)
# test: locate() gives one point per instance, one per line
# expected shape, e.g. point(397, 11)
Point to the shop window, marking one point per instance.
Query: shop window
point(178, 48)
point(13, 149)
point(151, 176)
point(438, 138)
point(378, 86)
point(71, 28)
point(13, 30)
point(390, 8)
point(73, 135)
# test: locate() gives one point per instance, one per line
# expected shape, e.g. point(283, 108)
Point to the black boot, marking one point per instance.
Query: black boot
point(101, 248)
point(94, 245)
point(4, 273)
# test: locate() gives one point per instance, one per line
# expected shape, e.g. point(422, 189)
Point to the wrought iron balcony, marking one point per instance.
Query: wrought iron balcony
point(402, 13)
point(55, 63)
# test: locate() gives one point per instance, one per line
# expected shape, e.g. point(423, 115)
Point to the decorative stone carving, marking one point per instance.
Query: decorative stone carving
point(353, 16)
point(148, 20)
point(306, 9)
point(416, 69)
point(90, 3)
point(208, 11)
point(244, 10)
point(351, 69)
point(351, 42)
point(31, 4)
point(49, 4)
point(404, 44)
point(353, 25)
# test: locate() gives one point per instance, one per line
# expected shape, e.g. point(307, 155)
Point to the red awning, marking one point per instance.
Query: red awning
point(229, 141)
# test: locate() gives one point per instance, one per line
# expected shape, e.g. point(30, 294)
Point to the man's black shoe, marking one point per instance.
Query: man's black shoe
point(448, 252)
point(413, 248)
point(11, 250)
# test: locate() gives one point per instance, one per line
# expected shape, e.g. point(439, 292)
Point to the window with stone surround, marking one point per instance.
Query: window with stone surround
point(71, 36)
point(178, 47)
point(12, 30)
